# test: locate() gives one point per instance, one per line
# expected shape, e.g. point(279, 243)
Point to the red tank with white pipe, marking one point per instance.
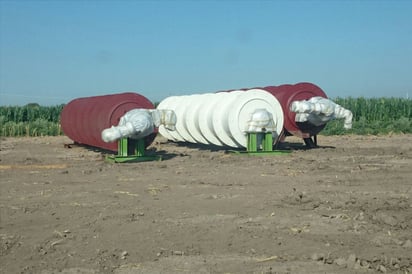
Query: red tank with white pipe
point(84, 119)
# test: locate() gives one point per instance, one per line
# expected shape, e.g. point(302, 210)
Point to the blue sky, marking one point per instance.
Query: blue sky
point(55, 51)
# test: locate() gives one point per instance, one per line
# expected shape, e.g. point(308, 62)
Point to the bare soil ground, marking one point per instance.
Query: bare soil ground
point(342, 208)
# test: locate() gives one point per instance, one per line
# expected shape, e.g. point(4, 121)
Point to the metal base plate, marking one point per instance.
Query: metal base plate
point(132, 159)
point(260, 153)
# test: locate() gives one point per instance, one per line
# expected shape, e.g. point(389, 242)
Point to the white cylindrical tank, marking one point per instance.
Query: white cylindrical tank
point(171, 135)
point(219, 118)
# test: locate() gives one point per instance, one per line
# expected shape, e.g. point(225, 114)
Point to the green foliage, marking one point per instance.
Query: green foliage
point(374, 116)
point(30, 120)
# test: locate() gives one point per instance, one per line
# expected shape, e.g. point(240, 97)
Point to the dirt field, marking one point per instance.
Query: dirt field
point(343, 208)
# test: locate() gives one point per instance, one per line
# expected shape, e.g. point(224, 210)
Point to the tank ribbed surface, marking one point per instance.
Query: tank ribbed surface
point(83, 119)
point(286, 94)
point(218, 118)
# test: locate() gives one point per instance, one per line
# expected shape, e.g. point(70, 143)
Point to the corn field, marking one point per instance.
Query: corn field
point(370, 116)
point(374, 116)
point(30, 120)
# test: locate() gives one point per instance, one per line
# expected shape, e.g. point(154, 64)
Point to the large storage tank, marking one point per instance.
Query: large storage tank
point(286, 94)
point(83, 119)
point(218, 118)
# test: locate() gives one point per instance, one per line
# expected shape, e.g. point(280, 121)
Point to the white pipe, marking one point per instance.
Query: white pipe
point(319, 111)
point(139, 123)
point(168, 103)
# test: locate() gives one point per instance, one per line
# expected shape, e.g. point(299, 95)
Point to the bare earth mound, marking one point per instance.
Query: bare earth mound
point(343, 208)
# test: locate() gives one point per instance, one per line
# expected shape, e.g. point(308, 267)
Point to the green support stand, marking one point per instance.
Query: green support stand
point(257, 141)
point(138, 148)
point(260, 143)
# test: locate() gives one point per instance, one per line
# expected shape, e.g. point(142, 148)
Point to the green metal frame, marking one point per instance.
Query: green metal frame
point(260, 143)
point(137, 156)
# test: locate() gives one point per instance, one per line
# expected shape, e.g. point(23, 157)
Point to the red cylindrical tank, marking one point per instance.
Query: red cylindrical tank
point(286, 94)
point(83, 119)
